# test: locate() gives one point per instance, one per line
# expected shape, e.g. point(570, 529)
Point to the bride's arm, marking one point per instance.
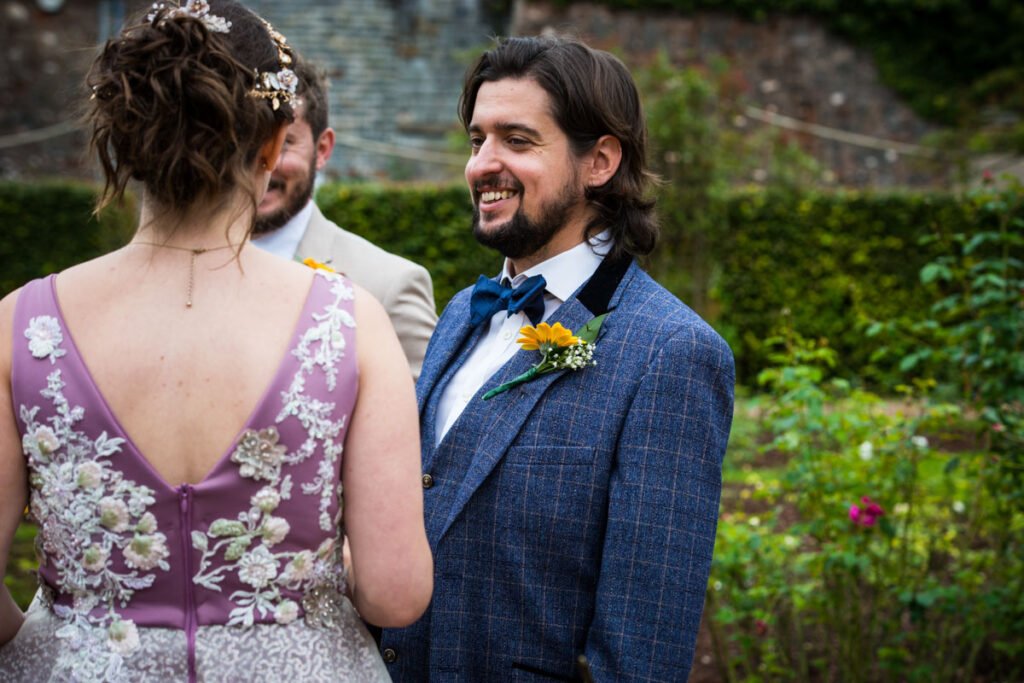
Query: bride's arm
point(381, 474)
point(13, 481)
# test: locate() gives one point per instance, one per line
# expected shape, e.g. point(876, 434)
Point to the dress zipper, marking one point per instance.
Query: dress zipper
point(185, 505)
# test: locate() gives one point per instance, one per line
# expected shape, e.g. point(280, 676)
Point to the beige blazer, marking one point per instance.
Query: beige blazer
point(402, 287)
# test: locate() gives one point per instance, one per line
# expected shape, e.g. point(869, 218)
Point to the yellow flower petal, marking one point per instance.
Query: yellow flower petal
point(552, 335)
point(316, 265)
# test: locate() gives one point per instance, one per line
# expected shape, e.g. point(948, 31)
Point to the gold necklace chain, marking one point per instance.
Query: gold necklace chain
point(196, 253)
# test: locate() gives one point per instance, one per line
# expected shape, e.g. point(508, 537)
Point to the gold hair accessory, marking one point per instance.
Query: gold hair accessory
point(277, 87)
point(196, 253)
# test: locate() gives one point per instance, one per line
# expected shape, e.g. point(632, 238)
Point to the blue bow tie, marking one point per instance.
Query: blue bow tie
point(489, 297)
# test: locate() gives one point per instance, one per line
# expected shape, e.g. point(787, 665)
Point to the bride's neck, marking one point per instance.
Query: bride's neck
point(206, 227)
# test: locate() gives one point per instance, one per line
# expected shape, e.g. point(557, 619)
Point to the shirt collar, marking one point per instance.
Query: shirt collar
point(284, 241)
point(566, 272)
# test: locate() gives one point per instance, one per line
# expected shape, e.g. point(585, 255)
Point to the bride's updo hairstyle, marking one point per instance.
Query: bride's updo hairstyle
point(183, 100)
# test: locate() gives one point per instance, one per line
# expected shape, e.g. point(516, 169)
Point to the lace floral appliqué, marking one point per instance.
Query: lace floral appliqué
point(89, 516)
point(44, 338)
point(247, 543)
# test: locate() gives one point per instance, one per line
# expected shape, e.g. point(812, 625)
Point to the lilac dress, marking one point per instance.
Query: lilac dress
point(236, 578)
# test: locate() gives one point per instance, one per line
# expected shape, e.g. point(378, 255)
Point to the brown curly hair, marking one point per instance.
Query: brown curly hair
point(170, 108)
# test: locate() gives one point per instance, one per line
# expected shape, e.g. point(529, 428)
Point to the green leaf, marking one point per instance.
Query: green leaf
point(588, 332)
point(953, 463)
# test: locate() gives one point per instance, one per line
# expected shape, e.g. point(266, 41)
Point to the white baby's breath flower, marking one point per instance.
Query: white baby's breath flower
point(755, 521)
point(113, 514)
point(959, 507)
point(866, 451)
point(123, 637)
point(258, 568)
point(286, 612)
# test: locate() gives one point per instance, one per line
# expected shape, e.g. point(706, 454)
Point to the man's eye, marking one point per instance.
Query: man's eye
point(518, 142)
point(476, 142)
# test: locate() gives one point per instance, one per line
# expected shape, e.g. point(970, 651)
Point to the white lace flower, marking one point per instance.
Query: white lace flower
point(299, 569)
point(266, 499)
point(866, 451)
point(146, 551)
point(94, 558)
point(275, 529)
point(40, 442)
point(123, 637)
point(286, 612)
point(89, 475)
point(147, 524)
point(113, 514)
point(44, 338)
point(258, 568)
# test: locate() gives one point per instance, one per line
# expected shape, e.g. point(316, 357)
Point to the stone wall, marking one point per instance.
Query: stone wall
point(787, 66)
point(396, 68)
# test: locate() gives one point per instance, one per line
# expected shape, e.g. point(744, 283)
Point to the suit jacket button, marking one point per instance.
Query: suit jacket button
point(428, 481)
point(389, 655)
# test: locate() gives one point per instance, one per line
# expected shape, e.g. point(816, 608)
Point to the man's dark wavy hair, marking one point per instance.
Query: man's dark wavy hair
point(592, 94)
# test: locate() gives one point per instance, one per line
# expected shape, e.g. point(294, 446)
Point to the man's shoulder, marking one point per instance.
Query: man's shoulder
point(352, 254)
point(660, 316)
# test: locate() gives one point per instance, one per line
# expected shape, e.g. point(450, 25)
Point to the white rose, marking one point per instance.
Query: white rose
point(866, 451)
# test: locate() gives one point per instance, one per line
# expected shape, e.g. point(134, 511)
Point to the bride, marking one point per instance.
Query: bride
point(183, 415)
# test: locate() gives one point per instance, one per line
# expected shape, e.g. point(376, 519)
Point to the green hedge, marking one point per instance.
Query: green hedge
point(428, 224)
point(48, 226)
point(822, 264)
point(825, 265)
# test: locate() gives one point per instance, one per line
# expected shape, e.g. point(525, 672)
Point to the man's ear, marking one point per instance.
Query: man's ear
point(324, 147)
point(605, 157)
point(270, 152)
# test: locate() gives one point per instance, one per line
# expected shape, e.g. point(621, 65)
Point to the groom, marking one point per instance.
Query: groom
point(573, 515)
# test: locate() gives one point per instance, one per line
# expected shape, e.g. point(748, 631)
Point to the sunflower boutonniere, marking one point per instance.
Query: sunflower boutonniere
point(317, 265)
point(559, 347)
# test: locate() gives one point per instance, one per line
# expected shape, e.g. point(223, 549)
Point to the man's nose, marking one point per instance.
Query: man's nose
point(486, 161)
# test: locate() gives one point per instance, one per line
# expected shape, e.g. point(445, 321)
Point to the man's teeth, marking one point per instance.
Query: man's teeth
point(495, 196)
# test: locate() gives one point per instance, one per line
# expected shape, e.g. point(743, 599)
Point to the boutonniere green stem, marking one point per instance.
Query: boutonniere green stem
point(560, 349)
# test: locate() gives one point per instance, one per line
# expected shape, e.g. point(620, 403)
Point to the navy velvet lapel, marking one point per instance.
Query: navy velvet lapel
point(502, 418)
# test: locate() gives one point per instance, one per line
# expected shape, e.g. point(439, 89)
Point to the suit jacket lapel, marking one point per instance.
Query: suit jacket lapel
point(504, 415)
point(318, 240)
point(448, 349)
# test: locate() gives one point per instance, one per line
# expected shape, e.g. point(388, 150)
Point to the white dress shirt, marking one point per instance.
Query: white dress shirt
point(564, 274)
point(285, 240)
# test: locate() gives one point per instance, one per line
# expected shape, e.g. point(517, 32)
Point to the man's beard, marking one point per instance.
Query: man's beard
point(521, 236)
point(294, 202)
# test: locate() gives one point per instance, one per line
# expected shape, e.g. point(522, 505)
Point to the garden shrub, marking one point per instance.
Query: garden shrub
point(48, 226)
point(427, 224)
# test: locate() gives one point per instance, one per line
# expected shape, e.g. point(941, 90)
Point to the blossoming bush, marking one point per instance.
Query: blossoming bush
point(879, 549)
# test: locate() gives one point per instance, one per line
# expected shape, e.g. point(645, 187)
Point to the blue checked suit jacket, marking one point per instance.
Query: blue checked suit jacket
point(574, 514)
